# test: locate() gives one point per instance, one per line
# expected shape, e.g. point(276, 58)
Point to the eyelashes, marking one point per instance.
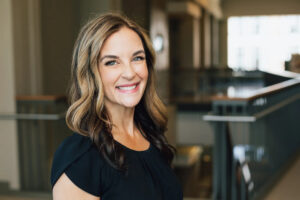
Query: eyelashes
point(138, 58)
point(114, 62)
point(110, 63)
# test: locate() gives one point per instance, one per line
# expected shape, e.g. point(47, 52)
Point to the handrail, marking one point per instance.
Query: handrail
point(41, 98)
point(252, 118)
point(263, 91)
point(287, 74)
point(23, 116)
point(228, 118)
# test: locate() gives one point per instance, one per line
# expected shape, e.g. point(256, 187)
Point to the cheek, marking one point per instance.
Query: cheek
point(108, 77)
point(143, 72)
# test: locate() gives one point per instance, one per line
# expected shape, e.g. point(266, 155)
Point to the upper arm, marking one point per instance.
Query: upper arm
point(65, 189)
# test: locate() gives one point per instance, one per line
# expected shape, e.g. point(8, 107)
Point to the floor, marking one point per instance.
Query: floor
point(288, 186)
point(196, 179)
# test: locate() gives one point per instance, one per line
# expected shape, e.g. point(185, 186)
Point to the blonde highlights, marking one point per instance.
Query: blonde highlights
point(87, 114)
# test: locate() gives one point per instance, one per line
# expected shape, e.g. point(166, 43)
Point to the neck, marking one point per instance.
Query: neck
point(123, 121)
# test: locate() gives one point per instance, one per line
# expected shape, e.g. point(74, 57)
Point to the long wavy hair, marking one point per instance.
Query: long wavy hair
point(87, 114)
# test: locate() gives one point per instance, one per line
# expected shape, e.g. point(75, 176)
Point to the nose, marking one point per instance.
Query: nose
point(128, 71)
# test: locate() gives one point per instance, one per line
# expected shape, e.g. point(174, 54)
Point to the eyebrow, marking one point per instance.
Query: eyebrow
point(138, 52)
point(116, 57)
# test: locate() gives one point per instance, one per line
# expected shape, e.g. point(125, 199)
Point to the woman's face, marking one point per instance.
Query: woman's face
point(123, 69)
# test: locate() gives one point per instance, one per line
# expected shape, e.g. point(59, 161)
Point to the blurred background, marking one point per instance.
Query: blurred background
point(228, 71)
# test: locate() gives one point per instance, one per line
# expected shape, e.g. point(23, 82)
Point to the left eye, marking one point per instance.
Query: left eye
point(138, 58)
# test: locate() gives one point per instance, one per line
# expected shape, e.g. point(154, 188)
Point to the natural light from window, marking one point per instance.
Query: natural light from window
point(262, 42)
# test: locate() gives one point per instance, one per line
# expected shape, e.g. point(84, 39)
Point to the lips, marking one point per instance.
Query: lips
point(128, 85)
point(128, 88)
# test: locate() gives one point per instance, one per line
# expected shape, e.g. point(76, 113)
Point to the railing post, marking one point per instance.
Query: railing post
point(222, 162)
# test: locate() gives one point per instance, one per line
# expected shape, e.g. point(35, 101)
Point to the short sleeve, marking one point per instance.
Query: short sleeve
point(80, 160)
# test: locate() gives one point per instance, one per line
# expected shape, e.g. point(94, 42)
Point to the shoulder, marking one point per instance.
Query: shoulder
point(64, 184)
point(80, 160)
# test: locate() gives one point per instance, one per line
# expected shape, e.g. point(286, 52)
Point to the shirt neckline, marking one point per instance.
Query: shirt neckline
point(137, 151)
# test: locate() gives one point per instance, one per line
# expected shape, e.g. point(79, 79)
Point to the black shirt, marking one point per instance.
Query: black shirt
point(148, 178)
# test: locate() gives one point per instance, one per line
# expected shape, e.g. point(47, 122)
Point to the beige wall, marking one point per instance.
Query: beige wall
point(159, 25)
point(207, 40)
point(223, 43)
point(8, 140)
point(21, 43)
point(61, 21)
point(260, 7)
point(27, 47)
point(88, 9)
point(58, 34)
point(138, 10)
point(215, 42)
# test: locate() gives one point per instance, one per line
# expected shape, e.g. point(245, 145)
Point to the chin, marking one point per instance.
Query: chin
point(130, 104)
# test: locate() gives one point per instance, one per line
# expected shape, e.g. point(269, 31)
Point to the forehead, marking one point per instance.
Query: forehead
point(123, 41)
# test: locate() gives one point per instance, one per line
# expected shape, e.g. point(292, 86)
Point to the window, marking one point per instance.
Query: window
point(262, 42)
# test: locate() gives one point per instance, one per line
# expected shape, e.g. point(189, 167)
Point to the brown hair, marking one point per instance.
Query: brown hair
point(87, 114)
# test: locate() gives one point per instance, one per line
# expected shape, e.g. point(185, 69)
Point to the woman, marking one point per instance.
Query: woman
point(119, 150)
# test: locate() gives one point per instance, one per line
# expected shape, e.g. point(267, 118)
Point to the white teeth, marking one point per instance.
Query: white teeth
point(127, 88)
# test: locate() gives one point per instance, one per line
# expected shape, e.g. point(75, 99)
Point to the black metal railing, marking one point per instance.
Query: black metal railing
point(255, 136)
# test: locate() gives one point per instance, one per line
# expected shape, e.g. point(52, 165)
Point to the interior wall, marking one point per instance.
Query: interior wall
point(215, 42)
point(61, 22)
point(9, 171)
point(159, 27)
point(58, 35)
point(192, 130)
point(138, 10)
point(86, 10)
point(202, 39)
point(27, 47)
point(260, 7)
point(223, 43)
point(207, 40)
point(184, 42)
point(21, 43)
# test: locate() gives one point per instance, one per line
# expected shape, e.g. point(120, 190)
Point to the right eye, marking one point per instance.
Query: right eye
point(110, 63)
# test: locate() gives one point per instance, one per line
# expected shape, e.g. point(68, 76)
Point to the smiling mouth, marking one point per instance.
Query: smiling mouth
point(128, 87)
